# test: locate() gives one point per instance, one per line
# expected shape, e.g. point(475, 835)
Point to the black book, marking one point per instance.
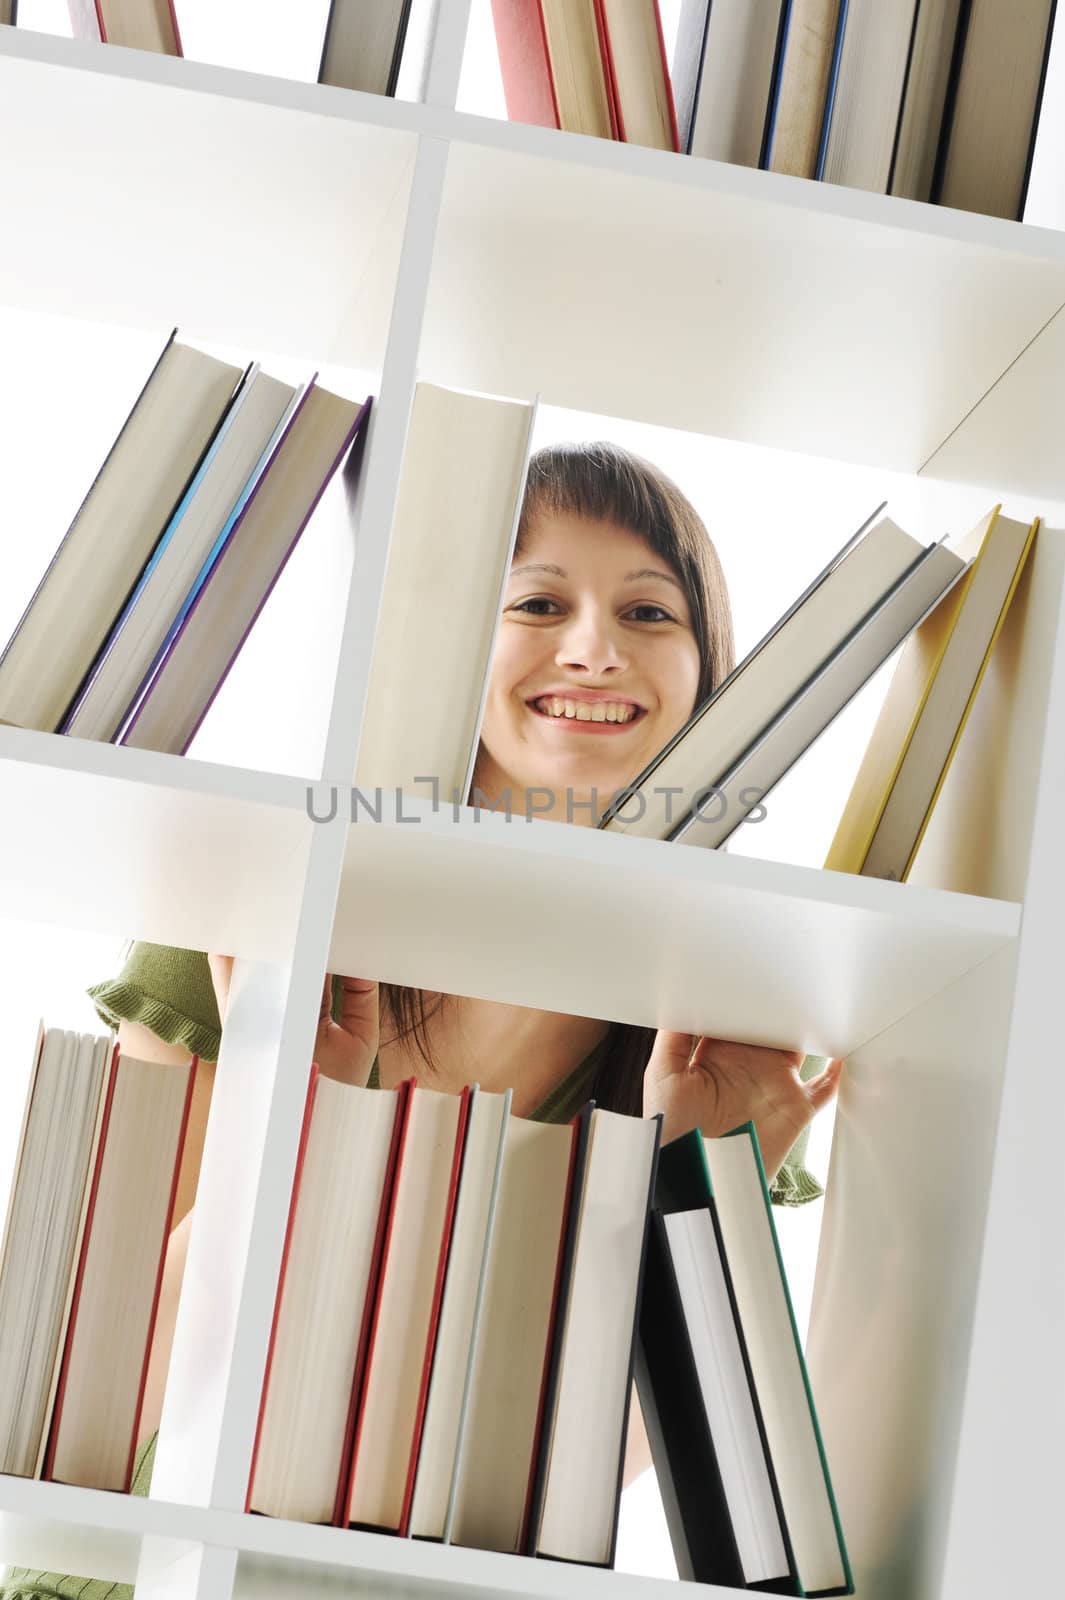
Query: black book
point(721, 1498)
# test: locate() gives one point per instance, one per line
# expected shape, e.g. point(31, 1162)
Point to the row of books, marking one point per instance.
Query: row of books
point(163, 605)
point(883, 587)
point(464, 1297)
point(362, 47)
point(173, 552)
point(81, 1260)
point(934, 100)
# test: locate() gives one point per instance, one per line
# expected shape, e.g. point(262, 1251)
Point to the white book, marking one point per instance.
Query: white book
point(868, 97)
point(453, 534)
point(385, 1429)
point(45, 1225)
point(322, 1302)
point(586, 1430)
point(443, 1432)
point(726, 1393)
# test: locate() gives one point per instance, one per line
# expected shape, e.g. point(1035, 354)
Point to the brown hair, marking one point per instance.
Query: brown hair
point(604, 482)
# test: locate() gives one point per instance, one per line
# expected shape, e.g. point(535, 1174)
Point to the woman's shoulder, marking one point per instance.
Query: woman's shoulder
point(167, 990)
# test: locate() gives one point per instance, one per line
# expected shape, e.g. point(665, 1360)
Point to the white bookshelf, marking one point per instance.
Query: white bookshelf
point(412, 240)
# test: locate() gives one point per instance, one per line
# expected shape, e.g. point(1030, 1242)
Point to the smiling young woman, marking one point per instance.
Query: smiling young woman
point(615, 625)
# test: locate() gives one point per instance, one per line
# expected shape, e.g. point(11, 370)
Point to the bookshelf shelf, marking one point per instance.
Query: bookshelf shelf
point(111, 839)
point(725, 945)
point(144, 173)
point(53, 1522)
point(412, 240)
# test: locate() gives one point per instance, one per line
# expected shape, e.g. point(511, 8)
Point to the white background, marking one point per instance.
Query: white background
point(775, 517)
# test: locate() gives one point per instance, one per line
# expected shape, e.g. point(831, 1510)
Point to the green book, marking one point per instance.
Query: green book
point(715, 1202)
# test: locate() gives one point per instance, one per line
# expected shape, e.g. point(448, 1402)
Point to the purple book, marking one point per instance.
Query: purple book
point(230, 591)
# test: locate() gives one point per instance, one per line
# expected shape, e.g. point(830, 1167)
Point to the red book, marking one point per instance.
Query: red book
point(525, 33)
point(434, 1314)
point(139, 24)
point(391, 1406)
point(100, 1395)
point(334, 1236)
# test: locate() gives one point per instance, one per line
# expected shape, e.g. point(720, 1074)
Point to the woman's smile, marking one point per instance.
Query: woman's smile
point(596, 666)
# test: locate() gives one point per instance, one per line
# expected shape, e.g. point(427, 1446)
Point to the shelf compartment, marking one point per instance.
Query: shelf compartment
point(844, 330)
point(151, 846)
point(243, 208)
point(642, 932)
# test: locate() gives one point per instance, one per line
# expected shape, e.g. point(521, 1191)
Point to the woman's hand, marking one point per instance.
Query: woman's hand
point(347, 1049)
point(715, 1085)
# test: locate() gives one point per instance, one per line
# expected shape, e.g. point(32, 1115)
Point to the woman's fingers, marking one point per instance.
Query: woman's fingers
point(819, 1090)
point(221, 977)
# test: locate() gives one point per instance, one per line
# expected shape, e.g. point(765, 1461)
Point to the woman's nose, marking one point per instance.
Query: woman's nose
point(590, 640)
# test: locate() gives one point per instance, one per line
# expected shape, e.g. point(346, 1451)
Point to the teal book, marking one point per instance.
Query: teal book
point(725, 1178)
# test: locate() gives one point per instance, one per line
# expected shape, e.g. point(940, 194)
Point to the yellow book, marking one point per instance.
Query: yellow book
point(927, 705)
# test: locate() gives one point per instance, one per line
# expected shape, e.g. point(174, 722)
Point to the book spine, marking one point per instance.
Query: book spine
point(567, 1249)
point(169, 533)
point(830, 93)
point(149, 682)
point(154, 1314)
point(671, 104)
point(79, 1277)
point(889, 189)
point(953, 80)
point(776, 74)
point(606, 57)
point(397, 54)
point(633, 1333)
point(178, 47)
point(478, 1316)
point(301, 1154)
point(434, 1314)
point(747, 1130)
point(1036, 110)
point(386, 1217)
point(354, 432)
point(525, 62)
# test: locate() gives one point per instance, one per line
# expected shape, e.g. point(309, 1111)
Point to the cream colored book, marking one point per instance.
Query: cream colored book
point(101, 1386)
point(443, 1435)
point(927, 704)
point(453, 535)
point(46, 1220)
point(515, 1336)
point(320, 1320)
point(805, 76)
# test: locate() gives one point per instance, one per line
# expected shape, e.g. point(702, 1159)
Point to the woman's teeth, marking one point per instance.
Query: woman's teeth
point(584, 711)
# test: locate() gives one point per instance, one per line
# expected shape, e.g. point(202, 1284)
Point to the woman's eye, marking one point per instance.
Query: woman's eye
point(522, 604)
point(663, 616)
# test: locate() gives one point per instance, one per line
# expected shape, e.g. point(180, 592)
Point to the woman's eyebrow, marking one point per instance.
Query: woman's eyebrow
point(630, 577)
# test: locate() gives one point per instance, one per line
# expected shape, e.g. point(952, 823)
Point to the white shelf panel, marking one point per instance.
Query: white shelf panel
point(727, 301)
point(641, 932)
point(243, 208)
point(58, 1523)
point(151, 846)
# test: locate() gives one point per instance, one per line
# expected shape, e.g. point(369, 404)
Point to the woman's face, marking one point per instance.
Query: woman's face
point(594, 624)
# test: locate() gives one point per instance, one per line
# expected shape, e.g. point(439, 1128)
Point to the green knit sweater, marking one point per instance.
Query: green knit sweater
point(170, 992)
